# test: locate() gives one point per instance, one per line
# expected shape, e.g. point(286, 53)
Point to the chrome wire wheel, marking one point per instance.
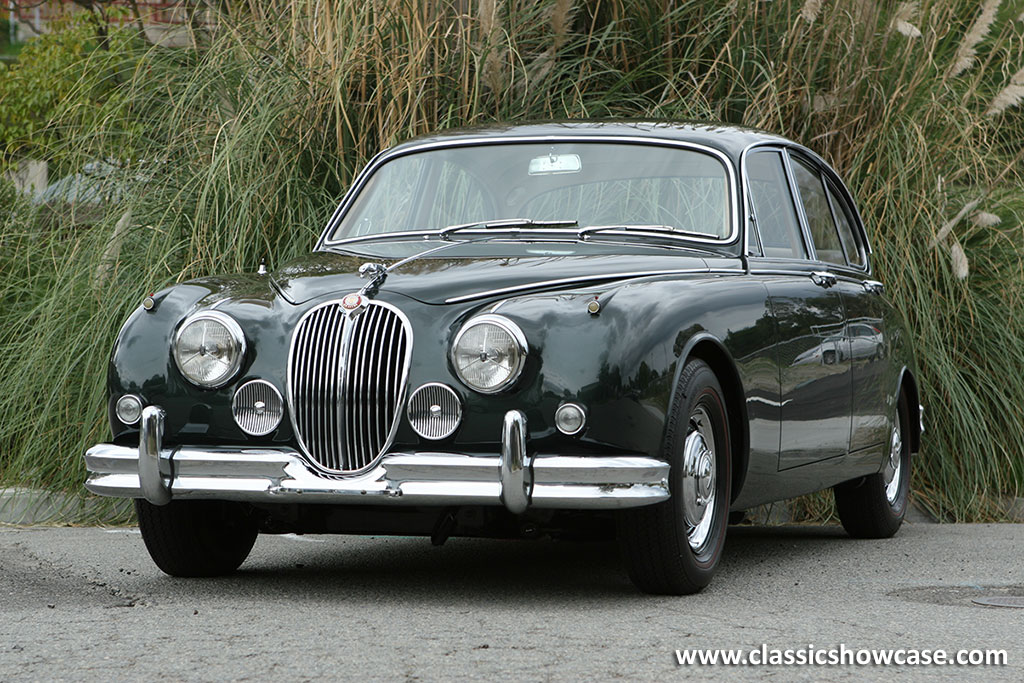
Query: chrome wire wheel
point(893, 472)
point(699, 479)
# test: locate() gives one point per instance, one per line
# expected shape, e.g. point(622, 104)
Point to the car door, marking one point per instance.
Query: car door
point(841, 250)
point(865, 310)
point(813, 351)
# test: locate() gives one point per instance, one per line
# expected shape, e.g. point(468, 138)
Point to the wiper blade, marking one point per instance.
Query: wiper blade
point(649, 229)
point(504, 224)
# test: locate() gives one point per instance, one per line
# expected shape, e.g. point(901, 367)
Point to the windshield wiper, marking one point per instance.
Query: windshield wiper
point(650, 229)
point(504, 224)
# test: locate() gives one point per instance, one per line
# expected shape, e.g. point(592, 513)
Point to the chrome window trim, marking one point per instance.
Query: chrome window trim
point(342, 362)
point(517, 336)
point(798, 203)
point(393, 153)
point(841, 272)
point(784, 146)
point(749, 208)
point(833, 198)
point(237, 336)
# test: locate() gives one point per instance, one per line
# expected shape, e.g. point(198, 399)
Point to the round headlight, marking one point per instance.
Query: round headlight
point(488, 353)
point(208, 348)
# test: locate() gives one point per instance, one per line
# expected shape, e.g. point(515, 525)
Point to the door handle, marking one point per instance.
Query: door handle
point(823, 278)
point(874, 286)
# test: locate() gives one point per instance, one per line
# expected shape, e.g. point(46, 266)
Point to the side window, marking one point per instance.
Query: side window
point(844, 220)
point(818, 212)
point(777, 222)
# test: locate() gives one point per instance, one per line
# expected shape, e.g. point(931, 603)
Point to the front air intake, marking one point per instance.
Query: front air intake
point(346, 383)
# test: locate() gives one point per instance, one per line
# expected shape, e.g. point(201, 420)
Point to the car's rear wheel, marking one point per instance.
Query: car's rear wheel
point(874, 506)
point(197, 537)
point(673, 548)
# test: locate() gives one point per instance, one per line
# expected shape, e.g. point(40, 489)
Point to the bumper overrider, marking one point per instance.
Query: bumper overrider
point(511, 478)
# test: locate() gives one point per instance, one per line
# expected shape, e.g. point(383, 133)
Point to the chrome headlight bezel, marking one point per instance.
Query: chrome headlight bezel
point(237, 340)
point(520, 348)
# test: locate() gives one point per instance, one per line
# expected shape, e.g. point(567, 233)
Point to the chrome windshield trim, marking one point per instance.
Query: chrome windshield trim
point(584, 279)
point(387, 155)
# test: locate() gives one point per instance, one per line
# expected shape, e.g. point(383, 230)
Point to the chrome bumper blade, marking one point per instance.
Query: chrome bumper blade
point(270, 475)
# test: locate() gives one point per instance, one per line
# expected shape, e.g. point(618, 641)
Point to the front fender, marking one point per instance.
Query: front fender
point(623, 363)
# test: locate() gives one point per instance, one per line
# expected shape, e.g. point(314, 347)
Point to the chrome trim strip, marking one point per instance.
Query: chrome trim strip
point(515, 491)
point(387, 155)
point(151, 435)
point(281, 475)
point(585, 279)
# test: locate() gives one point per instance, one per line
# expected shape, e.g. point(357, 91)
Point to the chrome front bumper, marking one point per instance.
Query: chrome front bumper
point(270, 475)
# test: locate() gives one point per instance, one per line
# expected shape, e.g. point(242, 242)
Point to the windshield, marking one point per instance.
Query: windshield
point(593, 183)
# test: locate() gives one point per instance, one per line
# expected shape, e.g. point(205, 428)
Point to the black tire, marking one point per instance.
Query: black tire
point(654, 539)
point(194, 538)
point(864, 507)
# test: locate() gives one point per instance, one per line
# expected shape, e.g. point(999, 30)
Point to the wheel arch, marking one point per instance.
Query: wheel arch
point(908, 385)
point(711, 350)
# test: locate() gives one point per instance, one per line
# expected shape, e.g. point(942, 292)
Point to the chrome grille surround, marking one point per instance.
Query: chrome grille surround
point(257, 407)
point(346, 384)
point(435, 411)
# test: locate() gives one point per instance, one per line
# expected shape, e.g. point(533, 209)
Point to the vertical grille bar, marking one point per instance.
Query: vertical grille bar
point(346, 384)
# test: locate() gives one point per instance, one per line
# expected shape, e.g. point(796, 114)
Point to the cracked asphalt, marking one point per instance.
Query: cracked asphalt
point(87, 604)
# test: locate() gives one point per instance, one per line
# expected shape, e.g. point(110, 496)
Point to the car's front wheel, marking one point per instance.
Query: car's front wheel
point(874, 506)
point(197, 537)
point(673, 548)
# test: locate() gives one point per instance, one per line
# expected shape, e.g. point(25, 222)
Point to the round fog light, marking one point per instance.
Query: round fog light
point(129, 409)
point(570, 418)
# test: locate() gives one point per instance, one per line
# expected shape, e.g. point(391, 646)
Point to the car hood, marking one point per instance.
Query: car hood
point(436, 280)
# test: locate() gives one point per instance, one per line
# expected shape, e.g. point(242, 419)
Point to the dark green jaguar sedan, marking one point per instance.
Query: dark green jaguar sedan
point(564, 329)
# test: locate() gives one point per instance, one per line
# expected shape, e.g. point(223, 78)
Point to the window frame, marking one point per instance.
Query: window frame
point(793, 197)
point(791, 160)
point(830, 176)
point(834, 195)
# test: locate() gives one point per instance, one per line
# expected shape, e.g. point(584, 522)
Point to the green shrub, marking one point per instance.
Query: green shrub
point(60, 77)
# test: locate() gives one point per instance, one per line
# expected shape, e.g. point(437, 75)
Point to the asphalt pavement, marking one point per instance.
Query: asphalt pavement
point(87, 604)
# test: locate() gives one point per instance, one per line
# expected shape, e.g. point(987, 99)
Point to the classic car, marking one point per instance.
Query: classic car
point(570, 330)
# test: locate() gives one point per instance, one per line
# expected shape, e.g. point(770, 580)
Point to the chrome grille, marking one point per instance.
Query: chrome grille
point(346, 383)
point(435, 411)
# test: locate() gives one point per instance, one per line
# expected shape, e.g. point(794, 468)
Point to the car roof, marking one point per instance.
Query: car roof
point(731, 140)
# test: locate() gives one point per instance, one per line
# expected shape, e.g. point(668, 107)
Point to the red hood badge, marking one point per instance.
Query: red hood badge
point(352, 301)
